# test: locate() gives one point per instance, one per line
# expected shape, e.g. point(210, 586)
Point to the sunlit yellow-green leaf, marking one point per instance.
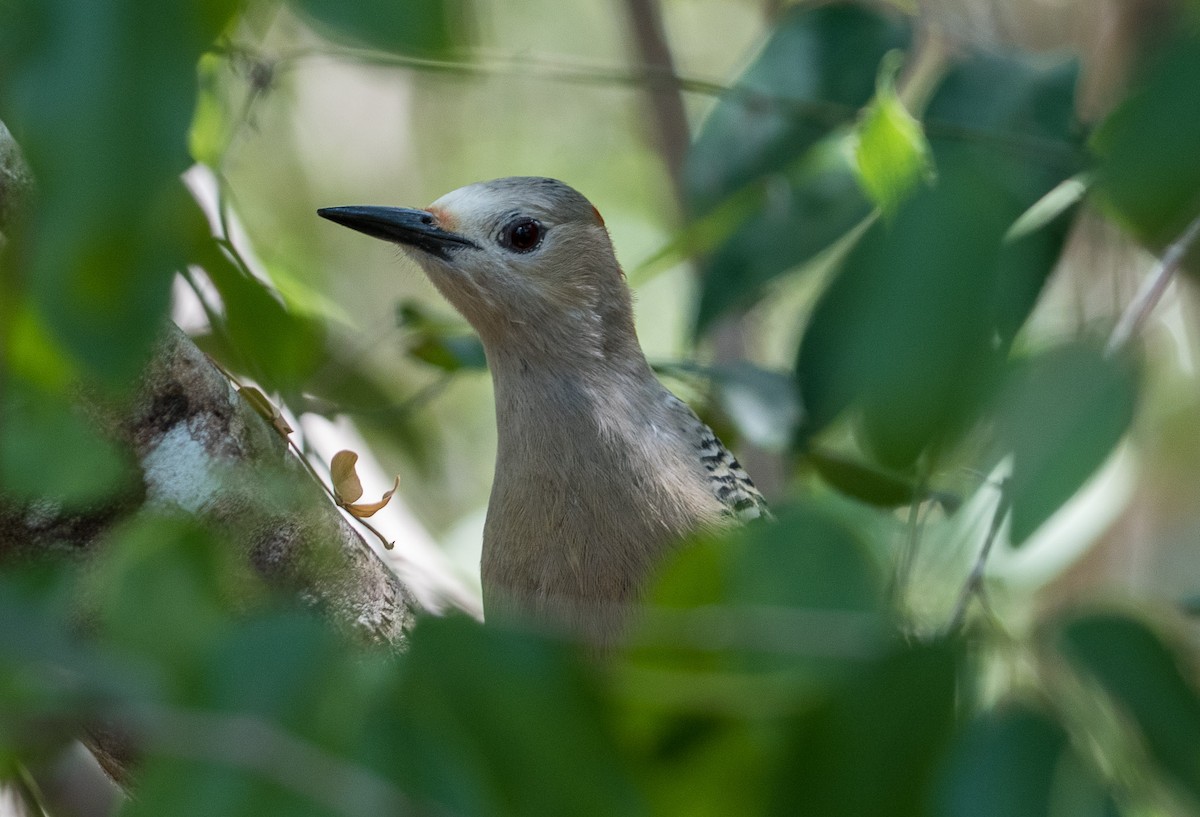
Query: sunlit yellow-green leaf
point(891, 153)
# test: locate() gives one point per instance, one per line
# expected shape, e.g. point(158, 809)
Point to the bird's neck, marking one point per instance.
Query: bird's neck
point(531, 385)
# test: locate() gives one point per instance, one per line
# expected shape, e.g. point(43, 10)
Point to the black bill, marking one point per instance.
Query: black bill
point(416, 228)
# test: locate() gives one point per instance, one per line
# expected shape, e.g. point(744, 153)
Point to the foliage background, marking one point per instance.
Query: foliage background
point(977, 599)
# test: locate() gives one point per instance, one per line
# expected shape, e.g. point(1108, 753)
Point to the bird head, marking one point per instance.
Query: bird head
point(526, 260)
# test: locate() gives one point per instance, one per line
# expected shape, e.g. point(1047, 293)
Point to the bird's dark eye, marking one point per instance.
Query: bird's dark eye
point(522, 235)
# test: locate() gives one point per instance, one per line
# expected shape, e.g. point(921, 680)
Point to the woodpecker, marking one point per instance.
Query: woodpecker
point(600, 470)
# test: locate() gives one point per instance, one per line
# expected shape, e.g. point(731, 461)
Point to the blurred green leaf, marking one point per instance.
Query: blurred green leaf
point(190, 581)
point(221, 782)
point(425, 27)
point(52, 454)
point(496, 722)
point(891, 154)
point(862, 481)
point(1150, 680)
point(279, 347)
point(809, 558)
point(801, 212)
point(51, 681)
point(800, 596)
point(1016, 762)
point(101, 96)
point(1149, 147)
point(438, 343)
point(1060, 413)
point(211, 128)
point(904, 329)
point(874, 744)
point(813, 75)
point(1014, 114)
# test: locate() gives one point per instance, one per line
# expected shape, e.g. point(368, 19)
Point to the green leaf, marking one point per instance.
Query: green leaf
point(496, 722)
point(905, 328)
point(211, 128)
point(101, 95)
point(906, 331)
point(1149, 147)
point(891, 154)
point(803, 212)
point(814, 73)
point(862, 481)
point(874, 744)
point(1016, 762)
point(279, 347)
point(427, 27)
point(1060, 414)
point(52, 454)
point(439, 343)
point(779, 133)
point(1148, 679)
point(1015, 115)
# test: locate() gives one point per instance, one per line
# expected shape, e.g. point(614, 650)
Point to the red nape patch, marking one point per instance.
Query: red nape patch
point(599, 218)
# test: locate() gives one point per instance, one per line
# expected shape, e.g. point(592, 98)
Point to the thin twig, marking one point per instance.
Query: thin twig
point(974, 583)
point(1151, 290)
point(915, 524)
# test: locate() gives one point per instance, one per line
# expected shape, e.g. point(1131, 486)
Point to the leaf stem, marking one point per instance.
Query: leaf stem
point(974, 583)
point(1151, 290)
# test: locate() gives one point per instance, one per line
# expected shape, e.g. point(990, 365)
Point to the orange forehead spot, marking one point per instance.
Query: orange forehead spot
point(445, 220)
point(599, 218)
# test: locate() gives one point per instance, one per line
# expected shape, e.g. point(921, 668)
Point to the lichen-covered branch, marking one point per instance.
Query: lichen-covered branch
point(206, 450)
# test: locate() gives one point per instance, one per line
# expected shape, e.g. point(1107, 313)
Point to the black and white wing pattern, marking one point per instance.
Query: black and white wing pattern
point(729, 481)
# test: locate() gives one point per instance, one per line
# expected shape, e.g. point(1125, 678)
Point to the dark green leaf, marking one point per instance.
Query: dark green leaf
point(280, 348)
point(801, 213)
point(1150, 147)
point(496, 722)
point(51, 681)
point(1016, 762)
point(51, 453)
point(1148, 679)
point(1015, 115)
point(874, 745)
point(1060, 414)
point(906, 328)
point(425, 27)
point(814, 73)
point(861, 481)
point(101, 97)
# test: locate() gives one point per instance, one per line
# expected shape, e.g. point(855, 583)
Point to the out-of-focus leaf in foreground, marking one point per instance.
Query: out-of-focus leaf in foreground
point(907, 331)
point(1150, 681)
point(1060, 413)
point(813, 75)
point(1016, 762)
point(1149, 147)
point(100, 96)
